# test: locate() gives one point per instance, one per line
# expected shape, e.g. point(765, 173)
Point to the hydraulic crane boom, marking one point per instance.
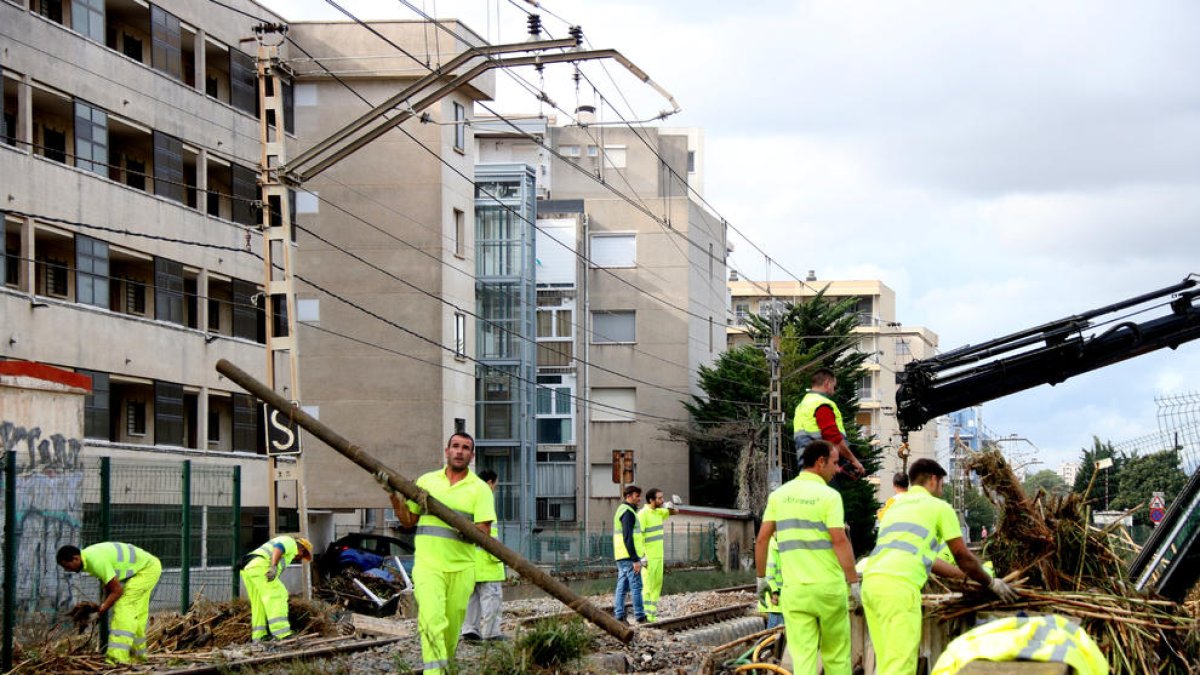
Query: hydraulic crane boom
point(1046, 354)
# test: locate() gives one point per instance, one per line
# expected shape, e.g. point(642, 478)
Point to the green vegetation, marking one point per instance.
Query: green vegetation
point(1046, 480)
point(547, 647)
point(1132, 479)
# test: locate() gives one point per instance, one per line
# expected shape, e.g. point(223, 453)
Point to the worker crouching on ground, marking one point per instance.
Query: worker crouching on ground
point(444, 563)
point(653, 518)
point(901, 562)
point(262, 574)
point(129, 575)
point(483, 610)
point(628, 548)
point(806, 515)
point(1048, 638)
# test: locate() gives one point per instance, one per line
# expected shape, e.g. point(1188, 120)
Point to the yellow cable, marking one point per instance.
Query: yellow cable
point(770, 639)
point(769, 667)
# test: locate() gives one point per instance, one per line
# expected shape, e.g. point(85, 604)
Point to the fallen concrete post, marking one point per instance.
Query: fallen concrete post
point(469, 531)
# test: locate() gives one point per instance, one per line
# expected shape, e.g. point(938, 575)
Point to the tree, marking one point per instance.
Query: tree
point(1142, 476)
point(1107, 480)
point(727, 436)
point(1046, 480)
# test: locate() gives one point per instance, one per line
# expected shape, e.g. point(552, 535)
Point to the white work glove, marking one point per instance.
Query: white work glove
point(382, 478)
point(271, 573)
point(1003, 590)
point(669, 505)
point(856, 593)
point(762, 589)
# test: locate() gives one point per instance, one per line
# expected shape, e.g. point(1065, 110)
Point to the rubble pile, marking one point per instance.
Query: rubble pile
point(1046, 545)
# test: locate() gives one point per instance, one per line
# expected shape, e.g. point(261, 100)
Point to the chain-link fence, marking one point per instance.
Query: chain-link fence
point(185, 514)
point(575, 548)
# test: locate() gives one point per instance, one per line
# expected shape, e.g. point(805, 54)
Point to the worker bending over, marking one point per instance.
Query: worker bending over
point(901, 562)
point(483, 609)
point(444, 563)
point(818, 418)
point(652, 518)
point(129, 575)
point(818, 564)
point(262, 573)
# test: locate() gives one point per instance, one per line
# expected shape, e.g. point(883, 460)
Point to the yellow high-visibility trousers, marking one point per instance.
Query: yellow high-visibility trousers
point(268, 602)
point(817, 617)
point(442, 599)
point(652, 580)
point(127, 628)
point(893, 609)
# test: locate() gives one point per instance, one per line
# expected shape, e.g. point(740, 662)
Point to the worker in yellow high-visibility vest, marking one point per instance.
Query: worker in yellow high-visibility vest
point(129, 575)
point(1049, 638)
point(807, 517)
point(483, 610)
point(262, 574)
point(653, 518)
point(901, 563)
point(768, 603)
point(900, 485)
point(444, 563)
point(818, 418)
point(628, 545)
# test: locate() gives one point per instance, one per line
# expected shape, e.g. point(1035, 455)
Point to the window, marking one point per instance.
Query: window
point(96, 406)
point(8, 128)
point(214, 314)
point(135, 296)
point(555, 336)
point(87, 18)
point(289, 108)
point(91, 271)
point(168, 166)
point(12, 270)
point(91, 138)
point(54, 277)
point(132, 47)
point(135, 418)
point(460, 335)
point(555, 421)
point(613, 404)
point(243, 82)
point(614, 250)
point(460, 127)
point(214, 426)
point(246, 437)
point(168, 290)
point(903, 348)
point(614, 156)
point(614, 327)
point(54, 145)
point(460, 233)
point(166, 42)
point(866, 387)
point(593, 151)
point(135, 173)
point(691, 161)
point(569, 150)
point(168, 413)
point(248, 318)
point(51, 9)
point(741, 312)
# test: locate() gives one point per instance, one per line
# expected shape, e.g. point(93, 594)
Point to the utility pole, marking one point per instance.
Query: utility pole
point(278, 246)
point(774, 407)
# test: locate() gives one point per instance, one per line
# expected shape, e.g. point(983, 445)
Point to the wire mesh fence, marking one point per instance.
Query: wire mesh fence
point(184, 514)
point(570, 548)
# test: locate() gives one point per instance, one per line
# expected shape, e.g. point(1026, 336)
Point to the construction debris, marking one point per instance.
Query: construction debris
point(1064, 565)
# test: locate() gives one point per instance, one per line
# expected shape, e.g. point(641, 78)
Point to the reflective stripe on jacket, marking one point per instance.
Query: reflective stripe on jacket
point(1048, 638)
point(653, 529)
point(110, 559)
point(619, 550)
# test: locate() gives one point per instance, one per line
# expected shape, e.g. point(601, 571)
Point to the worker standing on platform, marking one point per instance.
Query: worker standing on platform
point(262, 573)
point(129, 575)
point(818, 418)
point(483, 610)
point(444, 563)
point(652, 518)
point(628, 547)
point(900, 565)
point(807, 517)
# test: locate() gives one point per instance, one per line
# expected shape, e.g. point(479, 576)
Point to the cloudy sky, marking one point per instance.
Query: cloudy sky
point(998, 164)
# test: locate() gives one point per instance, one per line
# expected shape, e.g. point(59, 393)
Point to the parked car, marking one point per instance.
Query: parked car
point(362, 551)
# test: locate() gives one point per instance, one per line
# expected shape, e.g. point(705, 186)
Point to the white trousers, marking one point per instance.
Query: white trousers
point(483, 610)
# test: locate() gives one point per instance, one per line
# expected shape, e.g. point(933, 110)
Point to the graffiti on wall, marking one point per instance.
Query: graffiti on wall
point(49, 514)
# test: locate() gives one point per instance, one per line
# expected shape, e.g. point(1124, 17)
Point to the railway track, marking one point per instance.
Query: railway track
point(327, 648)
point(564, 616)
point(701, 619)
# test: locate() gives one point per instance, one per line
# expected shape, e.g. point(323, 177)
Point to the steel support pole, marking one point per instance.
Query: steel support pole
point(432, 506)
point(235, 551)
point(10, 554)
point(185, 544)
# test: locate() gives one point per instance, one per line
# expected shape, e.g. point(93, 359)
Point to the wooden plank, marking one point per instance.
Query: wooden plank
point(378, 626)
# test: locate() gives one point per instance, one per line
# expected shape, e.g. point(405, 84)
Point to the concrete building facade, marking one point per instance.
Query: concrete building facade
point(128, 151)
point(890, 347)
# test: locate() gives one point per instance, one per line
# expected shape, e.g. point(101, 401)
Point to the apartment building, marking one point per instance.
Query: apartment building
point(889, 344)
point(389, 364)
point(628, 307)
point(128, 151)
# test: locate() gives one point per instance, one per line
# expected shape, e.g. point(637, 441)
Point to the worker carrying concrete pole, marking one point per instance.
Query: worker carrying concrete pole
point(129, 575)
point(444, 563)
point(808, 518)
point(428, 503)
point(653, 518)
point(900, 565)
point(262, 574)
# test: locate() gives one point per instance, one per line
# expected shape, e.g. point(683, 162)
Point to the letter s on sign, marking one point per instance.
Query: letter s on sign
point(282, 426)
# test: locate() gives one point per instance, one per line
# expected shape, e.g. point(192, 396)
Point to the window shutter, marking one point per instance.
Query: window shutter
point(289, 107)
point(245, 424)
point(245, 193)
point(168, 166)
point(168, 413)
point(166, 42)
point(243, 81)
point(96, 412)
point(168, 290)
point(246, 316)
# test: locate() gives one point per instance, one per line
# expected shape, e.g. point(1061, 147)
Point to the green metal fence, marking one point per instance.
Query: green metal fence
point(574, 548)
point(186, 514)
